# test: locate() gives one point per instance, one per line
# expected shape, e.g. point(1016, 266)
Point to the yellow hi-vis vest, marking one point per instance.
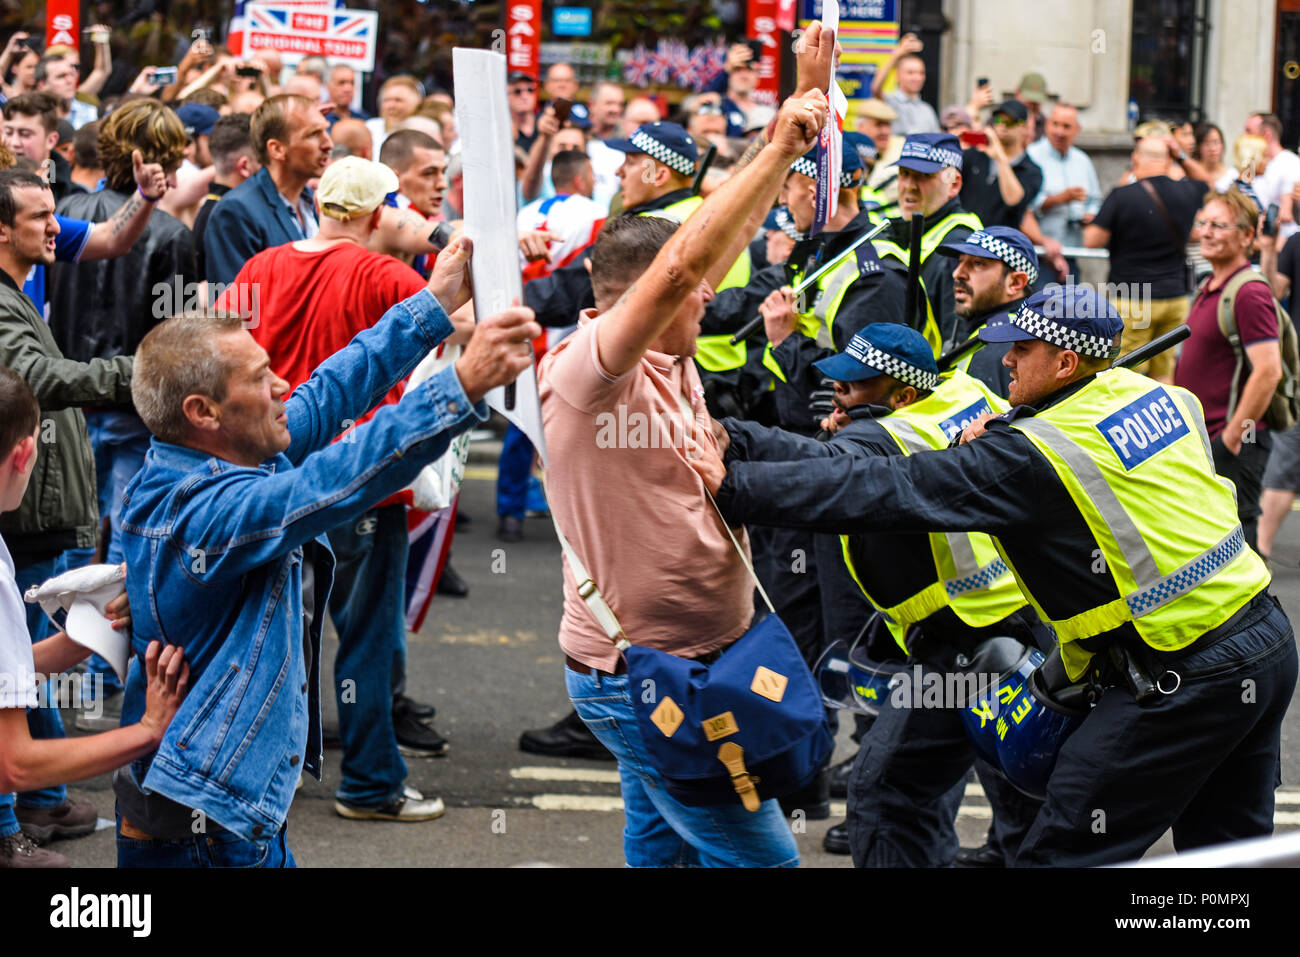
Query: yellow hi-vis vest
point(937, 234)
point(970, 577)
point(712, 353)
point(818, 322)
point(1135, 458)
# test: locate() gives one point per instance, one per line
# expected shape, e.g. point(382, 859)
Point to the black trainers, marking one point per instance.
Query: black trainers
point(419, 709)
point(567, 738)
point(451, 584)
point(416, 738)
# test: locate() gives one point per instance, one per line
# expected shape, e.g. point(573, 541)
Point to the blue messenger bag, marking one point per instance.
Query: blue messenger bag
point(749, 725)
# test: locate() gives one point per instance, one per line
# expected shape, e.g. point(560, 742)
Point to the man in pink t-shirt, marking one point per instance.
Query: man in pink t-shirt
point(623, 411)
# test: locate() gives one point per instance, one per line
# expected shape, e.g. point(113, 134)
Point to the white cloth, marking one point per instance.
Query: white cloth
point(1278, 179)
point(377, 135)
point(605, 161)
point(17, 668)
point(84, 594)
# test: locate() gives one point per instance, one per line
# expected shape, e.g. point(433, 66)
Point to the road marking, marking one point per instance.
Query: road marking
point(1288, 796)
point(481, 473)
point(564, 774)
point(577, 802)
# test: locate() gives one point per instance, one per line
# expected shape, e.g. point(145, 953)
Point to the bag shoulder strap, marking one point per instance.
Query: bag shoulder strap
point(595, 601)
point(1164, 213)
point(1227, 318)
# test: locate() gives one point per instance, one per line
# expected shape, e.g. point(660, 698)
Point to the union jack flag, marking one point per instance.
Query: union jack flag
point(243, 8)
point(661, 64)
point(637, 69)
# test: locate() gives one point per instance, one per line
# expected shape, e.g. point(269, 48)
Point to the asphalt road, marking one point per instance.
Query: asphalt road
point(491, 665)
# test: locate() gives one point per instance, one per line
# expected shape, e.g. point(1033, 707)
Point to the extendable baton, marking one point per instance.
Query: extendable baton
point(749, 328)
point(1153, 348)
point(700, 173)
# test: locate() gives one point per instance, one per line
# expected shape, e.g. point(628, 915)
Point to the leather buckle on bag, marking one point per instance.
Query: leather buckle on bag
point(732, 756)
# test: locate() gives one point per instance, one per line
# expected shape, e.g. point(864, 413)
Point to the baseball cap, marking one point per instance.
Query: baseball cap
point(851, 167)
point(1033, 87)
point(1003, 243)
point(197, 118)
point(353, 186)
point(1014, 109)
point(954, 116)
point(666, 142)
point(1073, 317)
point(781, 219)
point(929, 152)
point(862, 144)
point(884, 348)
point(519, 76)
point(579, 117)
point(877, 109)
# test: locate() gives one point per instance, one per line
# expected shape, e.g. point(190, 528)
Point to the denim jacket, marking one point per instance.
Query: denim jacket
point(216, 555)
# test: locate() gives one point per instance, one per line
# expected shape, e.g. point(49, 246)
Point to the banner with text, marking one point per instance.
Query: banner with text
point(341, 36)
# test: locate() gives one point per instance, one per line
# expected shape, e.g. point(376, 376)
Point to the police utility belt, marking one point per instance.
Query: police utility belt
point(1145, 672)
point(748, 725)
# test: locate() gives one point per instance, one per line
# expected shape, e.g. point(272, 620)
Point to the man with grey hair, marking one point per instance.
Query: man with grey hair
point(226, 525)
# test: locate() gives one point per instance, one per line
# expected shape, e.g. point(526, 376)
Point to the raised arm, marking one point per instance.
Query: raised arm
point(94, 81)
point(650, 305)
point(113, 238)
point(908, 43)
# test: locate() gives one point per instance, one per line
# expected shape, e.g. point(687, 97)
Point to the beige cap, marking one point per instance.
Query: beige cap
point(877, 109)
point(353, 186)
point(1033, 88)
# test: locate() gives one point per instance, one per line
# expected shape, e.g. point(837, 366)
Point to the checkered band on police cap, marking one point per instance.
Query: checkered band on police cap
point(1049, 330)
point(804, 166)
point(785, 222)
point(931, 154)
point(904, 372)
point(1005, 252)
point(653, 148)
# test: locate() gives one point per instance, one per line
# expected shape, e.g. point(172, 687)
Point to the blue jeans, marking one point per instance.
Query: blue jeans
point(120, 441)
point(513, 470)
point(41, 722)
point(368, 605)
point(660, 831)
point(216, 848)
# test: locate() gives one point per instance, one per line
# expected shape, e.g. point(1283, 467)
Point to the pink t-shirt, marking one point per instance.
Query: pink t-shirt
point(622, 491)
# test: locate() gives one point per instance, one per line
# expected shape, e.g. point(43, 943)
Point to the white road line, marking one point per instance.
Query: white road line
point(577, 802)
point(564, 774)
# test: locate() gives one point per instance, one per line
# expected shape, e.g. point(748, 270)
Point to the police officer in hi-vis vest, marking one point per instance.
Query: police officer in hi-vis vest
point(1100, 493)
point(993, 270)
point(941, 594)
point(929, 183)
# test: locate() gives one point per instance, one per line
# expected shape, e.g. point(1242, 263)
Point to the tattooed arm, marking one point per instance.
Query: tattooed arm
point(113, 238)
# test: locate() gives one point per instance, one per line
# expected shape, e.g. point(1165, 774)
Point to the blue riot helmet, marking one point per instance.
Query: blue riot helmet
point(850, 676)
point(1011, 724)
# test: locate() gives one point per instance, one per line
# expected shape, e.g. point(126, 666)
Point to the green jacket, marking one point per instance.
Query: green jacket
point(61, 507)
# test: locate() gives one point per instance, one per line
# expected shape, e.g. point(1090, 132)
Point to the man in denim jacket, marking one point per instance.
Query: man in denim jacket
point(224, 532)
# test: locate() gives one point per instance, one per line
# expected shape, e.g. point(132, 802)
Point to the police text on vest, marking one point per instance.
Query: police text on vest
point(1142, 428)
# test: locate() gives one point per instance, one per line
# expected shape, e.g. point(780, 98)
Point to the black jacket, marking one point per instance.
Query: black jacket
point(104, 308)
point(936, 272)
point(893, 566)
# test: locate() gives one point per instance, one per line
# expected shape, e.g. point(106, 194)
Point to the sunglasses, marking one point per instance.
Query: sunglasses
point(520, 90)
point(1004, 120)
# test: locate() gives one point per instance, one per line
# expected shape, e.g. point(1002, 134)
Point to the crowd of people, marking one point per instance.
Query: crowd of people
point(236, 329)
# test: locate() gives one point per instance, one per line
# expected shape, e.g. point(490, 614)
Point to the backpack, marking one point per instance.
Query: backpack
point(1284, 408)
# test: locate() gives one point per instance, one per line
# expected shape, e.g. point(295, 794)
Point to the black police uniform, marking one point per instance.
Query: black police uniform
point(909, 812)
point(1137, 756)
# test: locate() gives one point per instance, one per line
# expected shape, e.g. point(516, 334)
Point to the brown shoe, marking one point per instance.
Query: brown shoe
point(45, 824)
point(17, 850)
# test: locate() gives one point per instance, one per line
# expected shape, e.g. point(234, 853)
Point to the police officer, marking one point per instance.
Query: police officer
point(929, 183)
point(996, 266)
point(1100, 491)
point(656, 181)
point(942, 594)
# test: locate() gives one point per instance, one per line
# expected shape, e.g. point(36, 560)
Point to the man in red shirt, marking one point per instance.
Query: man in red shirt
point(307, 299)
point(1239, 440)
